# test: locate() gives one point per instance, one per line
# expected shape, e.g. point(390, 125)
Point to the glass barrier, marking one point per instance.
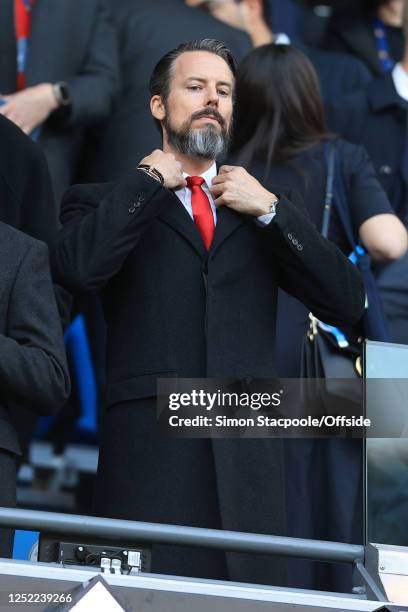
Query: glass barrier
point(386, 483)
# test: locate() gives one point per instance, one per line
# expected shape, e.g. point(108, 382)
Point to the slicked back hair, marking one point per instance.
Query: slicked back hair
point(161, 76)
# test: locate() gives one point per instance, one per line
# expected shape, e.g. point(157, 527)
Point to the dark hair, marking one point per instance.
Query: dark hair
point(279, 110)
point(161, 75)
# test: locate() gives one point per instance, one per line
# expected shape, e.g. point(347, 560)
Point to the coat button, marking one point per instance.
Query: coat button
point(295, 242)
point(141, 198)
point(132, 208)
point(290, 236)
point(387, 170)
point(300, 247)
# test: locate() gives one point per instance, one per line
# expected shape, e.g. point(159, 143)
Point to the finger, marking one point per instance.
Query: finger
point(217, 189)
point(219, 201)
point(225, 169)
point(219, 179)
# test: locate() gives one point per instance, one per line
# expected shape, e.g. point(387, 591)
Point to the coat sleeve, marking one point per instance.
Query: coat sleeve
point(313, 269)
point(94, 89)
point(33, 367)
point(102, 225)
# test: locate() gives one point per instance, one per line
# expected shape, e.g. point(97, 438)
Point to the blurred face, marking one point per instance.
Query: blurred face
point(392, 12)
point(231, 12)
point(196, 117)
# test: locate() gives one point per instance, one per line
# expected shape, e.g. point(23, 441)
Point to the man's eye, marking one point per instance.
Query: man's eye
point(223, 92)
point(194, 87)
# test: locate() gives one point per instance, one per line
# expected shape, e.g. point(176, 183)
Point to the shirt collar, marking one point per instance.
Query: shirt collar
point(208, 175)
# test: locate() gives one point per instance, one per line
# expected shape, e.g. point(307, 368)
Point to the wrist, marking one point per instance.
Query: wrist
point(267, 206)
point(47, 94)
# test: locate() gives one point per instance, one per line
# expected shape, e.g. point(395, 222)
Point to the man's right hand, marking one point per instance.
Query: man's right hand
point(168, 167)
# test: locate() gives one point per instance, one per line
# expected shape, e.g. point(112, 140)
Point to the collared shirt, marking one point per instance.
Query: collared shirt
point(184, 195)
point(400, 78)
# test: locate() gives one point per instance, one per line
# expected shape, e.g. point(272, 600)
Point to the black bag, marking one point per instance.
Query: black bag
point(333, 364)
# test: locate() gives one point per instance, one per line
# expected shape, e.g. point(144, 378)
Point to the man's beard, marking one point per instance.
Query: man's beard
point(205, 142)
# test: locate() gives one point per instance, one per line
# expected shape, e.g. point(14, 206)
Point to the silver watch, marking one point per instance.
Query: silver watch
point(273, 206)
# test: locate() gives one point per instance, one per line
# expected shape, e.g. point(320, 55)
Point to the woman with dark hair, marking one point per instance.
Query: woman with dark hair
point(280, 136)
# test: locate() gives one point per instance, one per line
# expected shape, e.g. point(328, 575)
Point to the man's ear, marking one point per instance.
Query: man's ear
point(157, 108)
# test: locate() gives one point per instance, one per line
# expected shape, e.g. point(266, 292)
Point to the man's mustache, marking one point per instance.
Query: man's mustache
point(209, 112)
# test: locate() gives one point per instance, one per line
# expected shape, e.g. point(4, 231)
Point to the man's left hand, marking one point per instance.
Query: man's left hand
point(30, 107)
point(235, 188)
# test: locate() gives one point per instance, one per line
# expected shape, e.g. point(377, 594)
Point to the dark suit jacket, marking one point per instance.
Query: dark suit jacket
point(377, 119)
point(339, 74)
point(72, 42)
point(357, 39)
point(133, 237)
point(26, 203)
point(33, 369)
point(148, 30)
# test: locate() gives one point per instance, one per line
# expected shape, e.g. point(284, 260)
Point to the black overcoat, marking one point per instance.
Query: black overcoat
point(172, 309)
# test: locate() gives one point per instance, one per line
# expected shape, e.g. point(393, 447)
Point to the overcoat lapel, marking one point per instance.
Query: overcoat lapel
point(178, 218)
point(227, 222)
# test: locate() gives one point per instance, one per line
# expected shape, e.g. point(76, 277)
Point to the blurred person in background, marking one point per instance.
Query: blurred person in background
point(58, 73)
point(378, 119)
point(279, 136)
point(146, 31)
point(33, 368)
point(26, 203)
point(376, 38)
point(254, 18)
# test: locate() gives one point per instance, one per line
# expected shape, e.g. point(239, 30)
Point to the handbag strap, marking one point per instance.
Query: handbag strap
point(339, 191)
point(330, 155)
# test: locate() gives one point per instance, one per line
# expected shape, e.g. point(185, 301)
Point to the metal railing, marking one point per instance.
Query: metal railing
point(134, 531)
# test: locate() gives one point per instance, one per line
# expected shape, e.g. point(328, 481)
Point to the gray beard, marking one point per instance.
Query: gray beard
point(205, 142)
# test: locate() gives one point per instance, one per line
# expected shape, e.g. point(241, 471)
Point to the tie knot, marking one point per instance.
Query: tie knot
point(194, 181)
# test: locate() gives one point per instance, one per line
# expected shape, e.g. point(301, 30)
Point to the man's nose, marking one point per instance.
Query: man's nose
point(212, 97)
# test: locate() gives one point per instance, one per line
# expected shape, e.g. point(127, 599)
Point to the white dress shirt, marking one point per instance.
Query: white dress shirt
point(184, 195)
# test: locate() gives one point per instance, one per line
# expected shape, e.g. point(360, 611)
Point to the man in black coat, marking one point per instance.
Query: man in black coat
point(33, 368)
point(71, 77)
point(180, 302)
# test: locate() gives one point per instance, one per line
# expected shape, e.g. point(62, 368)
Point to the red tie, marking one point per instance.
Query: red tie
point(202, 212)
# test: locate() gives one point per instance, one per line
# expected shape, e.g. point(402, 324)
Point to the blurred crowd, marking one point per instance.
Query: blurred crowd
point(75, 78)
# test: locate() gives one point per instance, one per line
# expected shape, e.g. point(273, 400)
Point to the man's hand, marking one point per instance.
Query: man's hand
point(168, 167)
point(30, 107)
point(235, 188)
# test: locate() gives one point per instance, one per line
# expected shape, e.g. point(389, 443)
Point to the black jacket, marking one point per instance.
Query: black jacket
point(357, 39)
point(135, 241)
point(377, 119)
point(33, 369)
